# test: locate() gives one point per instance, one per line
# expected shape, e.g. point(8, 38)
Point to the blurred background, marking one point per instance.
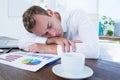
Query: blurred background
point(104, 14)
point(11, 11)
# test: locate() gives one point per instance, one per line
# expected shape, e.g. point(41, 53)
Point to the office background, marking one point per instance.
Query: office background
point(12, 10)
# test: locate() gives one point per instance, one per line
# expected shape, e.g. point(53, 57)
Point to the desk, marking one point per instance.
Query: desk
point(103, 70)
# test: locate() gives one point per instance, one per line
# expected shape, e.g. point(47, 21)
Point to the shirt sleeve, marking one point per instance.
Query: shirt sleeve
point(29, 39)
point(87, 33)
point(59, 50)
point(85, 49)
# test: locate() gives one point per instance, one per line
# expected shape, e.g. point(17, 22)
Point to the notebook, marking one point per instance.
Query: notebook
point(7, 42)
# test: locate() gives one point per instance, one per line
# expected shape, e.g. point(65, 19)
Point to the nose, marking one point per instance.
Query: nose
point(52, 33)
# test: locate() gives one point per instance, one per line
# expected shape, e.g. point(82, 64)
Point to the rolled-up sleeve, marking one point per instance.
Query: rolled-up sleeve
point(90, 52)
point(85, 31)
point(29, 39)
point(89, 35)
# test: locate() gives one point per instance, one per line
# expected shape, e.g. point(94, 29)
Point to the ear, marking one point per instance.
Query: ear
point(50, 12)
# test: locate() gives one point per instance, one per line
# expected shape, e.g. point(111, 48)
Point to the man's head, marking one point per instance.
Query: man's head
point(42, 22)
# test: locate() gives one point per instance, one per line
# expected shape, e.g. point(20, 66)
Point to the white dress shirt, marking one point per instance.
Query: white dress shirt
point(76, 26)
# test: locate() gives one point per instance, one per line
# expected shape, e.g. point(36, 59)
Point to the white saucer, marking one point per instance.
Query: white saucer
point(86, 72)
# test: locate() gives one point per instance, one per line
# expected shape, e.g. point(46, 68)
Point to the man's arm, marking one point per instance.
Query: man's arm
point(34, 43)
point(52, 45)
point(38, 47)
point(88, 34)
point(65, 43)
point(28, 39)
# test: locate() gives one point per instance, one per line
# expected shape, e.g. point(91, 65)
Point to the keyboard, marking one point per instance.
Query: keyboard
point(6, 42)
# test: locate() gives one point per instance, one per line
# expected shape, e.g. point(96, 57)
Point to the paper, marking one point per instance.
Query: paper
point(1, 50)
point(27, 60)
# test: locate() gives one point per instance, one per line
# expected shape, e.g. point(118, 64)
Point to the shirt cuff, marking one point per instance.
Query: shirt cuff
point(87, 50)
point(59, 50)
point(40, 40)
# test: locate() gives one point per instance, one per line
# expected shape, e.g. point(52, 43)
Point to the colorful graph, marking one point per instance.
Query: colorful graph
point(11, 58)
point(31, 61)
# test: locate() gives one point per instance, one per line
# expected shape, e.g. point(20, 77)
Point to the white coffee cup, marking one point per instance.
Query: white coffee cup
point(72, 62)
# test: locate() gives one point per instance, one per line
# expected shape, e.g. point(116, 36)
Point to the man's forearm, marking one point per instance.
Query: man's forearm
point(50, 41)
point(44, 48)
point(50, 49)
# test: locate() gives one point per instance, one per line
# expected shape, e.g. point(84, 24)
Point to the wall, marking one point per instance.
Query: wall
point(11, 16)
point(9, 26)
point(110, 8)
point(13, 27)
point(90, 6)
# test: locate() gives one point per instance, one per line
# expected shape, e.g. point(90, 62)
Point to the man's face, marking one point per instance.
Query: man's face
point(47, 26)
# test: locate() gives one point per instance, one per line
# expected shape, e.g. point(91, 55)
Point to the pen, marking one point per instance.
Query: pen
point(9, 50)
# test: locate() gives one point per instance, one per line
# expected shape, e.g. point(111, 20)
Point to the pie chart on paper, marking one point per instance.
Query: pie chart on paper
point(31, 61)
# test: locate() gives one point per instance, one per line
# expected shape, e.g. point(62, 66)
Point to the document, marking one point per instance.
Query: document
point(27, 60)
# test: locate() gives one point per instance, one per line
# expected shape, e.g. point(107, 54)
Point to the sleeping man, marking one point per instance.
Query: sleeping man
point(55, 33)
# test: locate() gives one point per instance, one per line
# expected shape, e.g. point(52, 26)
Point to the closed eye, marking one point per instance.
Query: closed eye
point(46, 34)
point(49, 26)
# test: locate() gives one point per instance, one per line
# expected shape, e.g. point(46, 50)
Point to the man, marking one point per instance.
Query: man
point(51, 32)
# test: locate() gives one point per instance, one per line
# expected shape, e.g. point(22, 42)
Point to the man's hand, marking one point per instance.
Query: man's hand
point(44, 48)
point(65, 43)
point(36, 47)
